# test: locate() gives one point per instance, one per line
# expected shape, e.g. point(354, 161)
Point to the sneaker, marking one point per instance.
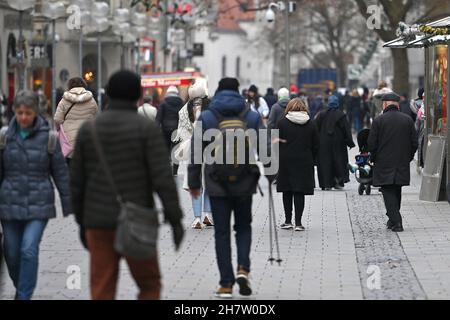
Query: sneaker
point(224, 293)
point(196, 224)
point(208, 221)
point(286, 226)
point(352, 167)
point(243, 282)
point(299, 228)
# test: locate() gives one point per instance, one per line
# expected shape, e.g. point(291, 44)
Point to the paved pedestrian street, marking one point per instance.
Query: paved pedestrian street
point(346, 252)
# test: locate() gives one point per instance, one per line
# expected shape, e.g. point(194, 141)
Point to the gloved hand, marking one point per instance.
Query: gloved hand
point(271, 178)
point(178, 234)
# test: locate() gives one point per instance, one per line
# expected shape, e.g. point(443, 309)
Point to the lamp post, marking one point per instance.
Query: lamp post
point(21, 6)
point(121, 27)
point(99, 24)
point(85, 7)
point(139, 29)
point(53, 11)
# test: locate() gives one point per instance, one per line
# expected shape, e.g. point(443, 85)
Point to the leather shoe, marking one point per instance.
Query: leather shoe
point(397, 227)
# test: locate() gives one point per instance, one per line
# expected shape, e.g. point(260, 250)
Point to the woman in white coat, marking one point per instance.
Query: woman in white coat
point(188, 115)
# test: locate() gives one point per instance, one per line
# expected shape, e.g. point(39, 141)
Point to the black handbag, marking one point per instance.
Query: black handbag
point(137, 226)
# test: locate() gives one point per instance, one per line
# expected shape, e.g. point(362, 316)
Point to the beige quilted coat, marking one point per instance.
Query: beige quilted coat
point(85, 108)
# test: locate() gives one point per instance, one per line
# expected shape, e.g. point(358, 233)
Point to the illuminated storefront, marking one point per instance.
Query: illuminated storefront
point(434, 37)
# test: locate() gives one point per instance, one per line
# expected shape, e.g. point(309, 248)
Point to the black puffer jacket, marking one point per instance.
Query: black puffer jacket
point(167, 115)
point(137, 156)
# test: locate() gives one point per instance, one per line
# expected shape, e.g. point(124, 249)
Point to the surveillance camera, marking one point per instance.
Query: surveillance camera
point(270, 15)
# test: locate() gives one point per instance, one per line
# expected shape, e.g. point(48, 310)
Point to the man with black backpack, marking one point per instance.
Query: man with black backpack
point(229, 184)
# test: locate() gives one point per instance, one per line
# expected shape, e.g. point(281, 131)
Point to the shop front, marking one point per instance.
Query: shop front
point(156, 85)
point(434, 37)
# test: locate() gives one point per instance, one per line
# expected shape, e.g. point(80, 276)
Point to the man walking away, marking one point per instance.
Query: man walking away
point(147, 110)
point(278, 110)
point(136, 156)
point(392, 144)
point(228, 192)
point(270, 98)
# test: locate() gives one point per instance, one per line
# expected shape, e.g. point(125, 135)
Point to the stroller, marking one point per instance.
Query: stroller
point(363, 172)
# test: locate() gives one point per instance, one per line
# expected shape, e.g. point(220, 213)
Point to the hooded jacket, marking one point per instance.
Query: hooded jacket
point(26, 190)
point(229, 104)
point(167, 115)
point(277, 113)
point(84, 108)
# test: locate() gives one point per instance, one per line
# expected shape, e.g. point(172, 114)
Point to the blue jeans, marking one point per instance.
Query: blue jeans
point(21, 246)
point(221, 211)
point(197, 205)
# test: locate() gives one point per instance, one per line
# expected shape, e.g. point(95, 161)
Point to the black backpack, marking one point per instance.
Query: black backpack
point(231, 173)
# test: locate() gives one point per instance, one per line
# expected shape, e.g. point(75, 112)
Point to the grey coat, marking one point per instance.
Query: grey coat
point(26, 190)
point(277, 113)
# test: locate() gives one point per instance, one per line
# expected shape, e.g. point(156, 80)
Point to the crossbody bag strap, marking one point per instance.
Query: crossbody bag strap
point(67, 112)
point(101, 156)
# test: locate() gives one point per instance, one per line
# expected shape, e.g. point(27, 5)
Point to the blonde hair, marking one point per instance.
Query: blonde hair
point(296, 104)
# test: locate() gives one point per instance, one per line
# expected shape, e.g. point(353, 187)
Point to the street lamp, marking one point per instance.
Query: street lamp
point(121, 27)
point(21, 6)
point(99, 24)
point(53, 11)
point(85, 7)
point(139, 29)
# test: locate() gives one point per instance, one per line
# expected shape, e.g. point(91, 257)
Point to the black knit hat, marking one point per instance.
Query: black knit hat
point(124, 85)
point(228, 84)
point(253, 88)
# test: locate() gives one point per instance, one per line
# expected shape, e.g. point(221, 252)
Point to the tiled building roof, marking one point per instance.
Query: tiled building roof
point(230, 15)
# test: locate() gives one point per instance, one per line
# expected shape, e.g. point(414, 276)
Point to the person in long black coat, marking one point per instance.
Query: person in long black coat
point(299, 145)
point(392, 143)
point(335, 137)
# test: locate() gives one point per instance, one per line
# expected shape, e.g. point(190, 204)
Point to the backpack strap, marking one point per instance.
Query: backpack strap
point(3, 137)
point(70, 108)
point(52, 141)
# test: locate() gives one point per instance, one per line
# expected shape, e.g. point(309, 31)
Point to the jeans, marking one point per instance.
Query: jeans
point(299, 201)
point(392, 196)
point(197, 205)
point(221, 211)
point(21, 246)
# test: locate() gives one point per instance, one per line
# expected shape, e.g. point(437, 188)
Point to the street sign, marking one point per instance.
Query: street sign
point(198, 50)
point(354, 71)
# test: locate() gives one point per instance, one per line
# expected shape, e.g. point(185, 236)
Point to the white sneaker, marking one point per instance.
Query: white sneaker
point(208, 221)
point(197, 224)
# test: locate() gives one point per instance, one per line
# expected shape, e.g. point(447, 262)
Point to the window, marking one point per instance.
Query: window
point(224, 66)
point(238, 67)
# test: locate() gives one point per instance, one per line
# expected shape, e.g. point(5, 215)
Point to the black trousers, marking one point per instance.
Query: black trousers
point(299, 202)
point(392, 196)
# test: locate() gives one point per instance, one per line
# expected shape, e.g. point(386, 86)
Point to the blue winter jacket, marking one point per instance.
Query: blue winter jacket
point(26, 169)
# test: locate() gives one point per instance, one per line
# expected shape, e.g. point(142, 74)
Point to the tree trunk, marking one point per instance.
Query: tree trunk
point(401, 70)
point(342, 74)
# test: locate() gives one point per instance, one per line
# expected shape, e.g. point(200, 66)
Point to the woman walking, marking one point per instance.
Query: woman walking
point(76, 106)
point(28, 161)
point(198, 102)
point(299, 144)
point(335, 137)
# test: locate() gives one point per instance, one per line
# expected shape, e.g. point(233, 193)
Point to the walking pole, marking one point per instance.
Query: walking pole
point(275, 224)
point(271, 258)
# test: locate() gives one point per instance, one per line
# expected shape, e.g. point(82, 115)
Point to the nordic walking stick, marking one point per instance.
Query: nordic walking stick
point(275, 224)
point(271, 258)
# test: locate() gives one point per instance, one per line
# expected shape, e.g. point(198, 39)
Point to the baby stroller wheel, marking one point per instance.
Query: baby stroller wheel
point(361, 189)
point(368, 189)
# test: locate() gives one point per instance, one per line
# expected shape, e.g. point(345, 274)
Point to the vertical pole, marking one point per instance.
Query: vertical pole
point(21, 54)
point(448, 125)
point(138, 55)
point(80, 52)
point(288, 51)
point(99, 71)
point(166, 34)
point(54, 68)
point(122, 54)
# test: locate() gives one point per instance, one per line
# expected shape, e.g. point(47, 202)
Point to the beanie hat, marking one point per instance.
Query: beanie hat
point(253, 88)
point(420, 93)
point(283, 94)
point(172, 91)
point(124, 85)
point(228, 84)
point(198, 89)
point(333, 102)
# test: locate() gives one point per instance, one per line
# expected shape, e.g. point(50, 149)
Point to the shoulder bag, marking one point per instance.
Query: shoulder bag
point(137, 226)
point(66, 146)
